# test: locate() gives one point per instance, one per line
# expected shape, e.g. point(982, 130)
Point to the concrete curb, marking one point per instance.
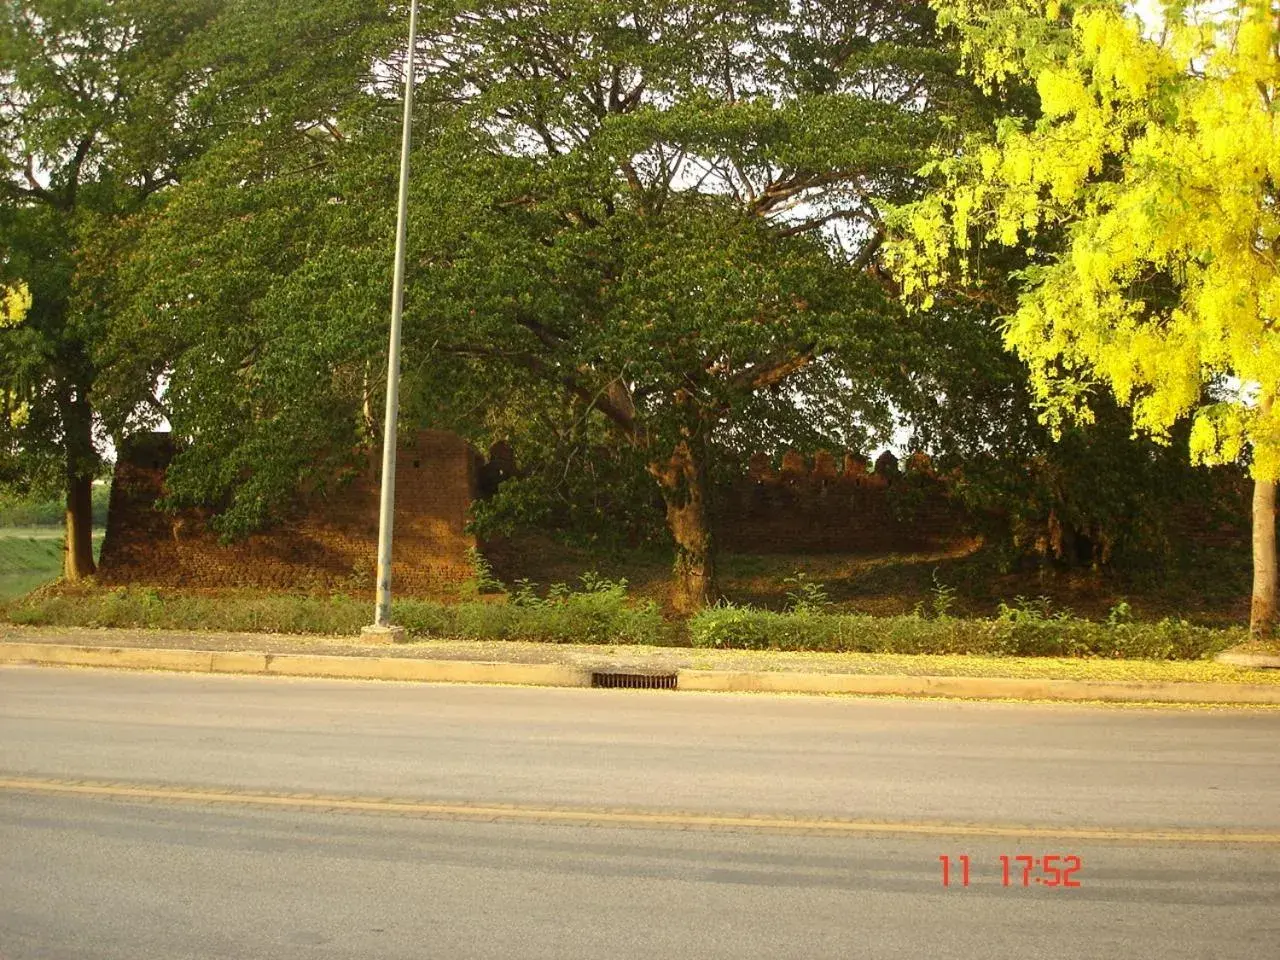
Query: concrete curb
point(981, 688)
point(1256, 661)
point(295, 665)
point(559, 675)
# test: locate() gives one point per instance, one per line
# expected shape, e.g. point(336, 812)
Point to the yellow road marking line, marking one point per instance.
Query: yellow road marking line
point(621, 818)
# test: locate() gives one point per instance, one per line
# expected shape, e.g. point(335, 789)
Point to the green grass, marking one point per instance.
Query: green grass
point(599, 613)
point(1208, 586)
point(31, 557)
point(913, 605)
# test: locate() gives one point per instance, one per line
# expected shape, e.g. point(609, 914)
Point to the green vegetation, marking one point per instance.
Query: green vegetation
point(598, 612)
point(26, 562)
point(31, 557)
point(32, 536)
point(649, 239)
point(1205, 586)
point(1019, 631)
point(1144, 189)
point(110, 106)
point(36, 512)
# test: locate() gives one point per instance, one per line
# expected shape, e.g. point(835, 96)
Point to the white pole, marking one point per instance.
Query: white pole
point(386, 515)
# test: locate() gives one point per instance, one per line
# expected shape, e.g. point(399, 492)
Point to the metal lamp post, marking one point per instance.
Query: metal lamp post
point(382, 628)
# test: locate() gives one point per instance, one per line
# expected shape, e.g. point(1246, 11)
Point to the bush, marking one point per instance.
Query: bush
point(1018, 632)
point(599, 612)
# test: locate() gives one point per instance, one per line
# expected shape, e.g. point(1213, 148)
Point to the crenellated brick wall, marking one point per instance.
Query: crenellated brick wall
point(824, 505)
point(329, 542)
point(797, 504)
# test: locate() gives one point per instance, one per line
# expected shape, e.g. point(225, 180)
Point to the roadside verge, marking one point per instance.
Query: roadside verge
point(618, 671)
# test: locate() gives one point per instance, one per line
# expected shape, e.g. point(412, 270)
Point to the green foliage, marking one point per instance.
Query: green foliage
point(573, 480)
point(662, 216)
point(482, 580)
point(1021, 630)
point(944, 597)
point(1093, 495)
point(19, 511)
point(598, 613)
point(111, 107)
point(806, 596)
point(142, 607)
point(1120, 613)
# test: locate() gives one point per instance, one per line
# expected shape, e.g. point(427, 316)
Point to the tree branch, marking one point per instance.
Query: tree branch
point(771, 372)
point(621, 418)
point(868, 252)
point(73, 169)
point(36, 190)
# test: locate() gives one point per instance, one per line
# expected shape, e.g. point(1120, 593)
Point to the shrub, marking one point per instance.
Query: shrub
point(599, 612)
point(1019, 631)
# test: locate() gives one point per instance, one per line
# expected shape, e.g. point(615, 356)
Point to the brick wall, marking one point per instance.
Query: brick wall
point(800, 504)
point(329, 542)
point(825, 505)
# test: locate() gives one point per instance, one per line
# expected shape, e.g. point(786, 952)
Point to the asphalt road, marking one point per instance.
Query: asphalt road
point(216, 876)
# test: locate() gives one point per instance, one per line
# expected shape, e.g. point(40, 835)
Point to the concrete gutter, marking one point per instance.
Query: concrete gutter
point(561, 675)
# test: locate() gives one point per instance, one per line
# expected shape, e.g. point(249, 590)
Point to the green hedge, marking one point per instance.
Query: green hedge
point(1015, 633)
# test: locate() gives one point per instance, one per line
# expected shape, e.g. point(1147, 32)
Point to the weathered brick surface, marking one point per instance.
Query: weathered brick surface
point(796, 505)
point(330, 541)
point(803, 507)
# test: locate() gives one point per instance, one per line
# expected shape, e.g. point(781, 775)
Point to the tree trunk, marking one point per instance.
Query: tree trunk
point(1262, 614)
point(683, 481)
point(77, 422)
point(78, 557)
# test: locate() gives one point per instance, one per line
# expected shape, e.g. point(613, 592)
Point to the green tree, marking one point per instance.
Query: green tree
point(670, 211)
point(104, 106)
point(254, 292)
point(1153, 161)
point(1097, 495)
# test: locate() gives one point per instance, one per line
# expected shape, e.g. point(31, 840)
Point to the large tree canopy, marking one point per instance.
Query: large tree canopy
point(659, 218)
point(670, 210)
point(104, 107)
point(93, 99)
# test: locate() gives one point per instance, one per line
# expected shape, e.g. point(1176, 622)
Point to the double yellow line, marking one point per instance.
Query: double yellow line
point(612, 817)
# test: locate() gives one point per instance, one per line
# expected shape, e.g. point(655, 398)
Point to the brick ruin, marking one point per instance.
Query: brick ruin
point(329, 541)
point(795, 505)
point(825, 505)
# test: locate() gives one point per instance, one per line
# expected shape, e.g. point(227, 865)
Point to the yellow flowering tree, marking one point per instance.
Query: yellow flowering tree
point(1150, 178)
point(15, 301)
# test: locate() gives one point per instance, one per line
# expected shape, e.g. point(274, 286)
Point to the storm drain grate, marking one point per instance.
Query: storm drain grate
point(634, 681)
